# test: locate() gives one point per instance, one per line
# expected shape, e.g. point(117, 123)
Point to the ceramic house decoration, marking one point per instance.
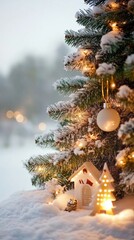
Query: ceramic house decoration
point(86, 183)
point(104, 198)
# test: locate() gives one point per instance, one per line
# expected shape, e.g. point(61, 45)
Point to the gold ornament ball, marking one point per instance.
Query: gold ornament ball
point(108, 119)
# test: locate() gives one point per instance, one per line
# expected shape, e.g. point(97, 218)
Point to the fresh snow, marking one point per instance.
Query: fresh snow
point(105, 69)
point(124, 91)
point(26, 216)
point(112, 37)
point(130, 59)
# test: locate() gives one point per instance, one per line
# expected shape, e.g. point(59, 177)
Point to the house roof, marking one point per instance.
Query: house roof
point(91, 168)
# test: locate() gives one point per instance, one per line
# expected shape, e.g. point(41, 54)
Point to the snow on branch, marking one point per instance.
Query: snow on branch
point(130, 60)
point(67, 135)
point(61, 110)
point(45, 139)
point(83, 38)
point(110, 39)
point(68, 85)
point(126, 132)
point(86, 13)
point(126, 97)
point(124, 92)
point(105, 69)
point(88, 95)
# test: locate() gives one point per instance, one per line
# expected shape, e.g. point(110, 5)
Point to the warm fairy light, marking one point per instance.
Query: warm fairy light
point(92, 136)
point(85, 52)
point(85, 69)
point(42, 126)
point(80, 144)
point(9, 114)
point(19, 118)
point(105, 176)
point(113, 85)
point(105, 184)
point(107, 205)
point(79, 115)
point(114, 26)
point(121, 162)
point(114, 5)
point(132, 154)
point(39, 168)
point(100, 190)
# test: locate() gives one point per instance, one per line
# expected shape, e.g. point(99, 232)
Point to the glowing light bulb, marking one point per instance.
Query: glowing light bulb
point(42, 126)
point(114, 5)
point(121, 162)
point(9, 114)
point(19, 118)
point(114, 26)
point(113, 85)
point(107, 205)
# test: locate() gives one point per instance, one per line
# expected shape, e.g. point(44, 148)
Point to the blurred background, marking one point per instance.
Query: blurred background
point(32, 51)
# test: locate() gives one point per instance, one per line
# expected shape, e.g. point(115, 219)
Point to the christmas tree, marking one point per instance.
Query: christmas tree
point(105, 56)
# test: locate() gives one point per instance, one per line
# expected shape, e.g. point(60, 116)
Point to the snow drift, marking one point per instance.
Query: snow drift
point(26, 216)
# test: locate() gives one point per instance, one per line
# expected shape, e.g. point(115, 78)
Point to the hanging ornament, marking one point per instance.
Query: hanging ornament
point(108, 119)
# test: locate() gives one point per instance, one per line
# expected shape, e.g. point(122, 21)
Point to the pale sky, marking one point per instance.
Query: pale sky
point(34, 27)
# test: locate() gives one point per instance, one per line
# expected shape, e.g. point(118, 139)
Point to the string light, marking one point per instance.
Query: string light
point(114, 5)
point(114, 26)
point(113, 85)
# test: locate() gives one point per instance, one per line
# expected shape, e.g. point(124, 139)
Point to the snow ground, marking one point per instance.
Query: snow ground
point(26, 216)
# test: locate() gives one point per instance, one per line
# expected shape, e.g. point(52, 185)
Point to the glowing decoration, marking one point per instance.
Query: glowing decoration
point(39, 169)
point(9, 114)
point(19, 118)
point(113, 85)
point(108, 119)
point(42, 126)
point(114, 5)
point(85, 181)
point(104, 200)
point(114, 26)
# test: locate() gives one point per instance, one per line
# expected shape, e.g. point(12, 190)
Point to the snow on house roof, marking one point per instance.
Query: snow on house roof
point(91, 168)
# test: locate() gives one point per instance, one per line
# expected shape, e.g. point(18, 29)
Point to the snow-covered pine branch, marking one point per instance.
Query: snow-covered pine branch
point(68, 85)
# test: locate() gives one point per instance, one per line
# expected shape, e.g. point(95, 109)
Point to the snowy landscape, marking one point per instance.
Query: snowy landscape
point(67, 120)
point(26, 215)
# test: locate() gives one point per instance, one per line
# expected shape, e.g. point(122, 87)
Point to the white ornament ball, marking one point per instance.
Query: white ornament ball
point(108, 119)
